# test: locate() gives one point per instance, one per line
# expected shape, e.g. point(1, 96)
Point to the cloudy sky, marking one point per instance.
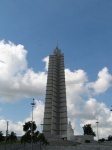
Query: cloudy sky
point(29, 32)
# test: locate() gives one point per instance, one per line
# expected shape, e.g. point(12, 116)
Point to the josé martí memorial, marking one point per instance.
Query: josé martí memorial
point(55, 123)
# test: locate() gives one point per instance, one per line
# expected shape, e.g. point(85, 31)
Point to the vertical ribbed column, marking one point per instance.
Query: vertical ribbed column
point(62, 98)
point(48, 102)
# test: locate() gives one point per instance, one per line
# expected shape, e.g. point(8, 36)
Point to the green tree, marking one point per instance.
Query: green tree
point(36, 136)
point(12, 137)
point(101, 140)
point(88, 130)
point(110, 138)
point(28, 128)
point(42, 140)
point(26, 138)
point(1, 136)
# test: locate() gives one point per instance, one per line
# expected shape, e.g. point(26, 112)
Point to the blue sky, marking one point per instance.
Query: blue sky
point(83, 30)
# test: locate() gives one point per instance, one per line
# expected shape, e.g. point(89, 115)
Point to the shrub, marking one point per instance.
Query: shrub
point(87, 141)
point(101, 140)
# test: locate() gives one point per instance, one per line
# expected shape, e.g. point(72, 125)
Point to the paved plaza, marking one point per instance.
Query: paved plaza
point(37, 147)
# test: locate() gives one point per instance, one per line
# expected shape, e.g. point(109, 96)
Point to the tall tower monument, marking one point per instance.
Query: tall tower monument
point(55, 113)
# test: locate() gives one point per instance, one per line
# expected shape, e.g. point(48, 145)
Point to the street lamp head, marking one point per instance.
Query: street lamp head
point(33, 103)
point(97, 121)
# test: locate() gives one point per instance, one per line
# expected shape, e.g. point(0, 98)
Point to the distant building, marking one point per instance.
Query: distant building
point(55, 114)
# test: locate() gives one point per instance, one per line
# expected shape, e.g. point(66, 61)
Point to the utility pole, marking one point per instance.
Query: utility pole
point(97, 129)
point(7, 130)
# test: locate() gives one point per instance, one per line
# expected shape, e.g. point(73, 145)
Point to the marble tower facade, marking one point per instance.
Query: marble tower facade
point(55, 114)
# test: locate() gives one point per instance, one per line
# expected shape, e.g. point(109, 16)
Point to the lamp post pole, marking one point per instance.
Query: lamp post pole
point(97, 129)
point(32, 104)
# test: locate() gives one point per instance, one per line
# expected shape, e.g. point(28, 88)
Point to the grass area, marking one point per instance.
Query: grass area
point(3, 142)
point(61, 143)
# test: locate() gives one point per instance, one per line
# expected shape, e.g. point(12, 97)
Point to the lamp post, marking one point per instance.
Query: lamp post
point(97, 129)
point(32, 104)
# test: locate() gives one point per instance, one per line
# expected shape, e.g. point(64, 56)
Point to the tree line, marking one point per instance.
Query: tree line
point(33, 135)
point(30, 135)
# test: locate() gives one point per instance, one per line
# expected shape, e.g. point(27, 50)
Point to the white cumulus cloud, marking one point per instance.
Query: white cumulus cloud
point(17, 81)
point(103, 82)
point(46, 60)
